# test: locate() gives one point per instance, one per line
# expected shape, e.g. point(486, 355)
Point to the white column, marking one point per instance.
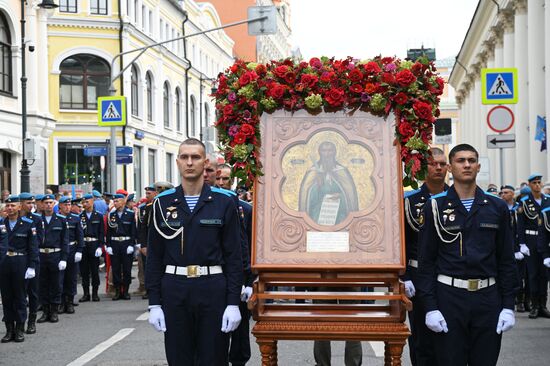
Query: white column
point(491, 153)
point(547, 74)
point(535, 63)
point(476, 118)
point(521, 124)
point(43, 70)
point(509, 155)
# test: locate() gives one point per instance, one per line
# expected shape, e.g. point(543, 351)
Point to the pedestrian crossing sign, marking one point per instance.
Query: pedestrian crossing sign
point(499, 86)
point(111, 111)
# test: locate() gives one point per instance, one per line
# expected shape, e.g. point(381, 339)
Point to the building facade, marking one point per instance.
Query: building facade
point(507, 33)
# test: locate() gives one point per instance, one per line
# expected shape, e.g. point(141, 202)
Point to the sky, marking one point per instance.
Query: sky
point(366, 28)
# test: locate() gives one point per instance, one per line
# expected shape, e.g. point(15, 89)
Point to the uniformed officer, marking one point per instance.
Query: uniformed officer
point(94, 238)
point(18, 261)
point(529, 222)
point(466, 276)
point(544, 241)
point(120, 239)
point(54, 252)
point(194, 267)
point(420, 342)
point(76, 245)
point(27, 205)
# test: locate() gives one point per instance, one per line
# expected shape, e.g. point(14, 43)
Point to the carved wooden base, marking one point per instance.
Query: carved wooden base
point(394, 336)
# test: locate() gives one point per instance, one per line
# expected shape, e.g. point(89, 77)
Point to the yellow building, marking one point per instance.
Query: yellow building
point(166, 88)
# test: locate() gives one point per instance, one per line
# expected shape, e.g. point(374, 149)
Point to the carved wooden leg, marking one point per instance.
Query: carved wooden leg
point(266, 349)
point(274, 360)
point(396, 350)
point(387, 356)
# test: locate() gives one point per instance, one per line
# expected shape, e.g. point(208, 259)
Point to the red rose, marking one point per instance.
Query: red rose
point(247, 129)
point(356, 88)
point(400, 98)
point(234, 68)
point(327, 76)
point(371, 88)
point(388, 78)
point(315, 62)
point(423, 110)
point(247, 78)
point(276, 91)
point(372, 68)
point(280, 71)
point(355, 75)
point(239, 138)
point(290, 77)
point(416, 68)
point(405, 129)
point(261, 69)
point(309, 79)
point(405, 78)
point(228, 109)
point(335, 97)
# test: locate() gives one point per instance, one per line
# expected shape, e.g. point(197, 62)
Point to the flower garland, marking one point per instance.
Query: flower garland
point(246, 90)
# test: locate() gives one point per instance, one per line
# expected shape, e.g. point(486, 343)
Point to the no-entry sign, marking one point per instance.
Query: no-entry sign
point(500, 119)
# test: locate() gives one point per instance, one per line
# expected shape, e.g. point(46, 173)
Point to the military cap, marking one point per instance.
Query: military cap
point(76, 201)
point(118, 195)
point(26, 196)
point(96, 194)
point(162, 186)
point(525, 190)
point(39, 197)
point(88, 196)
point(48, 197)
point(150, 187)
point(122, 191)
point(65, 199)
point(492, 190)
point(12, 198)
point(533, 177)
point(507, 186)
point(131, 197)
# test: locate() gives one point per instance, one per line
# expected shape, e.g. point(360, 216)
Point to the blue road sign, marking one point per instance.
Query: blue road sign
point(499, 86)
point(124, 159)
point(95, 151)
point(124, 150)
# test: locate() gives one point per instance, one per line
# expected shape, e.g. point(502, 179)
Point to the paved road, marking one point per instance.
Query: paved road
point(117, 334)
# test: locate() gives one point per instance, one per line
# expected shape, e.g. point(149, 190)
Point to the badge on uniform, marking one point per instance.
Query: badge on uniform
point(3, 229)
point(452, 217)
point(33, 229)
point(539, 221)
point(421, 219)
point(169, 212)
point(520, 210)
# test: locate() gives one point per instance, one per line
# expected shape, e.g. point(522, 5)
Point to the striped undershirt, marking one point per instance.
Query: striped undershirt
point(192, 201)
point(467, 203)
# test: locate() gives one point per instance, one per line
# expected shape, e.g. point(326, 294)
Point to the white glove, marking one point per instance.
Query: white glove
point(110, 250)
point(506, 320)
point(62, 265)
point(246, 293)
point(519, 255)
point(231, 318)
point(98, 252)
point(524, 249)
point(546, 262)
point(436, 322)
point(130, 249)
point(30, 273)
point(410, 291)
point(156, 318)
point(77, 257)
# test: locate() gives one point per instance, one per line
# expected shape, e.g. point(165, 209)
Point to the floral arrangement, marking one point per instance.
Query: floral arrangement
point(379, 86)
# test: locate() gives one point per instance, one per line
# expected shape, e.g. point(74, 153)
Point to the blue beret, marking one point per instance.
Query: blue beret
point(87, 196)
point(492, 190)
point(534, 176)
point(48, 197)
point(76, 201)
point(65, 199)
point(525, 190)
point(25, 196)
point(12, 198)
point(150, 187)
point(118, 195)
point(39, 197)
point(131, 196)
point(507, 186)
point(96, 193)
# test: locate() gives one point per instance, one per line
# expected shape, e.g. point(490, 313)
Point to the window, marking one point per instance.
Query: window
point(150, 30)
point(135, 89)
point(166, 105)
point(5, 56)
point(152, 160)
point(178, 109)
point(136, 12)
point(138, 186)
point(98, 7)
point(149, 84)
point(169, 162)
point(144, 22)
point(206, 115)
point(83, 78)
point(67, 6)
point(192, 115)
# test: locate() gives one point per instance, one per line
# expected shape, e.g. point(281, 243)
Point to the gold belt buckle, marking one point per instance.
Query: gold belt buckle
point(193, 271)
point(473, 285)
point(47, 250)
point(10, 254)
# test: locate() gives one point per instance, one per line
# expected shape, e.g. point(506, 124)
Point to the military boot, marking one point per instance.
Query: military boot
point(543, 310)
point(10, 333)
point(31, 324)
point(95, 297)
point(53, 314)
point(69, 307)
point(19, 332)
point(125, 293)
point(117, 294)
point(534, 313)
point(45, 314)
point(520, 308)
point(62, 307)
point(86, 296)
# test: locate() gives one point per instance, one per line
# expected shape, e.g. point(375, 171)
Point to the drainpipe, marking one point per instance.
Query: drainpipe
point(186, 74)
point(120, 49)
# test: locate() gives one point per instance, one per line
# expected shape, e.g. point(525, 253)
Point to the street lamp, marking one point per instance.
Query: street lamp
point(25, 171)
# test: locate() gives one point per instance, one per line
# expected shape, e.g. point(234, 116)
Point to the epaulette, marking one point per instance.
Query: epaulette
point(226, 192)
point(524, 198)
point(130, 211)
point(244, 202)
point(490, 194)
point(166, 193)
point(74, 215)
point(442, 194)
point(547, 195)
point(546, 209)
point(62, 216)
point(410, 193)
point(35, 214)
point(26, 219)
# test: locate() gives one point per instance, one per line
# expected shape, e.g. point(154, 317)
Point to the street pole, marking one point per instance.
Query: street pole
point(25, 171)
point(112, 146)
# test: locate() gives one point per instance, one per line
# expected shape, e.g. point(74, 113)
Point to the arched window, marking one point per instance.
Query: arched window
point(83, 79)
point(192, 114)
point(135, 91)
point(149, 85)
point(178, 109)
point(166, 104)
point(5, 56)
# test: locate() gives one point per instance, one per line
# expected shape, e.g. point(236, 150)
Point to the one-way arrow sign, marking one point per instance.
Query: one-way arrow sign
point(501, 141)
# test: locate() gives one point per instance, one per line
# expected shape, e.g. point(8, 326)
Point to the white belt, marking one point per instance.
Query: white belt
point(89, 238)
point(470, 284)
point(11, 253)
point(72, 242)
point(531, 232)
point(193, 271)
point(49, 250)
point(413, 263)
point(120, 238)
